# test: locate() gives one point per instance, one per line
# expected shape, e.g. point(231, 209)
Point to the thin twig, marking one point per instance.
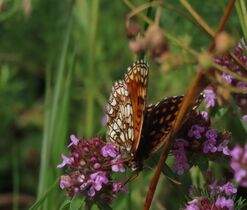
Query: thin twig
point(198, 18)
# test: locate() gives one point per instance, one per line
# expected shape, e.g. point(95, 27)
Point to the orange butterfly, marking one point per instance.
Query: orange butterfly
point(138, 130)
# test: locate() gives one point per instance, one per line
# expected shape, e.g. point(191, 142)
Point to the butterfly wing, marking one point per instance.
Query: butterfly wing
point(120, 117)
point(136, 80)
point(158, 122)
point(126, 106)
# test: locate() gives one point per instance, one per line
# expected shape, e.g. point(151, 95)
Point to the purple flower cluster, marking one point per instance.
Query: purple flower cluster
point(239, 164)
point(89, 169)
point(219, 197)
point(228, 62)
point(180, 159)
point(196, 139)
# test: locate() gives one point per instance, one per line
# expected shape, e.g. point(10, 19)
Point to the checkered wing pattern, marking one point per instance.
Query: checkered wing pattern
point(158, 122)
point(126, 107)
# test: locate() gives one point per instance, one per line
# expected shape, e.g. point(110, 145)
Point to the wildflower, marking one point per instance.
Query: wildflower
point(209, 146)
point(109, 150)
point(88, 169)
point(66, 161)
point(239, 163)
point(119, 187)
point(228, 189)
point(215, 196)
point(228, 78)
point(195, 139)
point(74, 140)
point(210, 97)
point(223, 203)
point(223, 147)
point(211, 134)
point(196, 131)
point(180, 159)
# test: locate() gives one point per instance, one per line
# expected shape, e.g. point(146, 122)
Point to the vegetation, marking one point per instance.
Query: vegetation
point(58, 62)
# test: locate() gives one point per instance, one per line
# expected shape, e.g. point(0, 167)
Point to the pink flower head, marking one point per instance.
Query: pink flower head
point(88, 169)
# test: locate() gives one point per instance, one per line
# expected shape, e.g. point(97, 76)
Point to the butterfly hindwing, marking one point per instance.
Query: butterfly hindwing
point(158, 121)
point(120, 117)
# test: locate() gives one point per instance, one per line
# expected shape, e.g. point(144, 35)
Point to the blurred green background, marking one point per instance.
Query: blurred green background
point(58, 61)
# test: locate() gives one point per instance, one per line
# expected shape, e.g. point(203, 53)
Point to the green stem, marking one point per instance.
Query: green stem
point(91, 69)
point(242, 15)
point(52, 111)
point(227, 71)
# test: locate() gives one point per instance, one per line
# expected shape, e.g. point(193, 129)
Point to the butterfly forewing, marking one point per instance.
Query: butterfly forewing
point(126, 108)
point(136, 80)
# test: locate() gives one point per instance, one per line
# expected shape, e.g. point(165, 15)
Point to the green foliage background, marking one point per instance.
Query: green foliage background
point(58, 62)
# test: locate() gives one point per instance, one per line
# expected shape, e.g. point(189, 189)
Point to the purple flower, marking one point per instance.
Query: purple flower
point(118, 167)
point(180, 163)
point(204, 114)
point(74, 140)
point(211, 134)
point(66, 161)
point(65, 182)
point(241, 84)
point(239, 163)
point(222, 202)
point(210, 97)
point(192, 207)
point(209, 146)
point(97, 180)
point(227, 78)
point(228, 189)
point(119, 187)
point(223, 147)
point(109, 150)
point(196, 131)
point(88, 169)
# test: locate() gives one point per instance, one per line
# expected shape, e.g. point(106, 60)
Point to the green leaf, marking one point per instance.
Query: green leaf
point(37, 204)
point(64, 204)
point(76, 203)
point(104, 206)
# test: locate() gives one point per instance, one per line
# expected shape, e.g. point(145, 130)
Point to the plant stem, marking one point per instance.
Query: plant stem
point(198, 18)
point(91, 69)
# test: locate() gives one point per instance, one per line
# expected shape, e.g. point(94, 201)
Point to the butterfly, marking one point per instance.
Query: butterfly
point(137, 129)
